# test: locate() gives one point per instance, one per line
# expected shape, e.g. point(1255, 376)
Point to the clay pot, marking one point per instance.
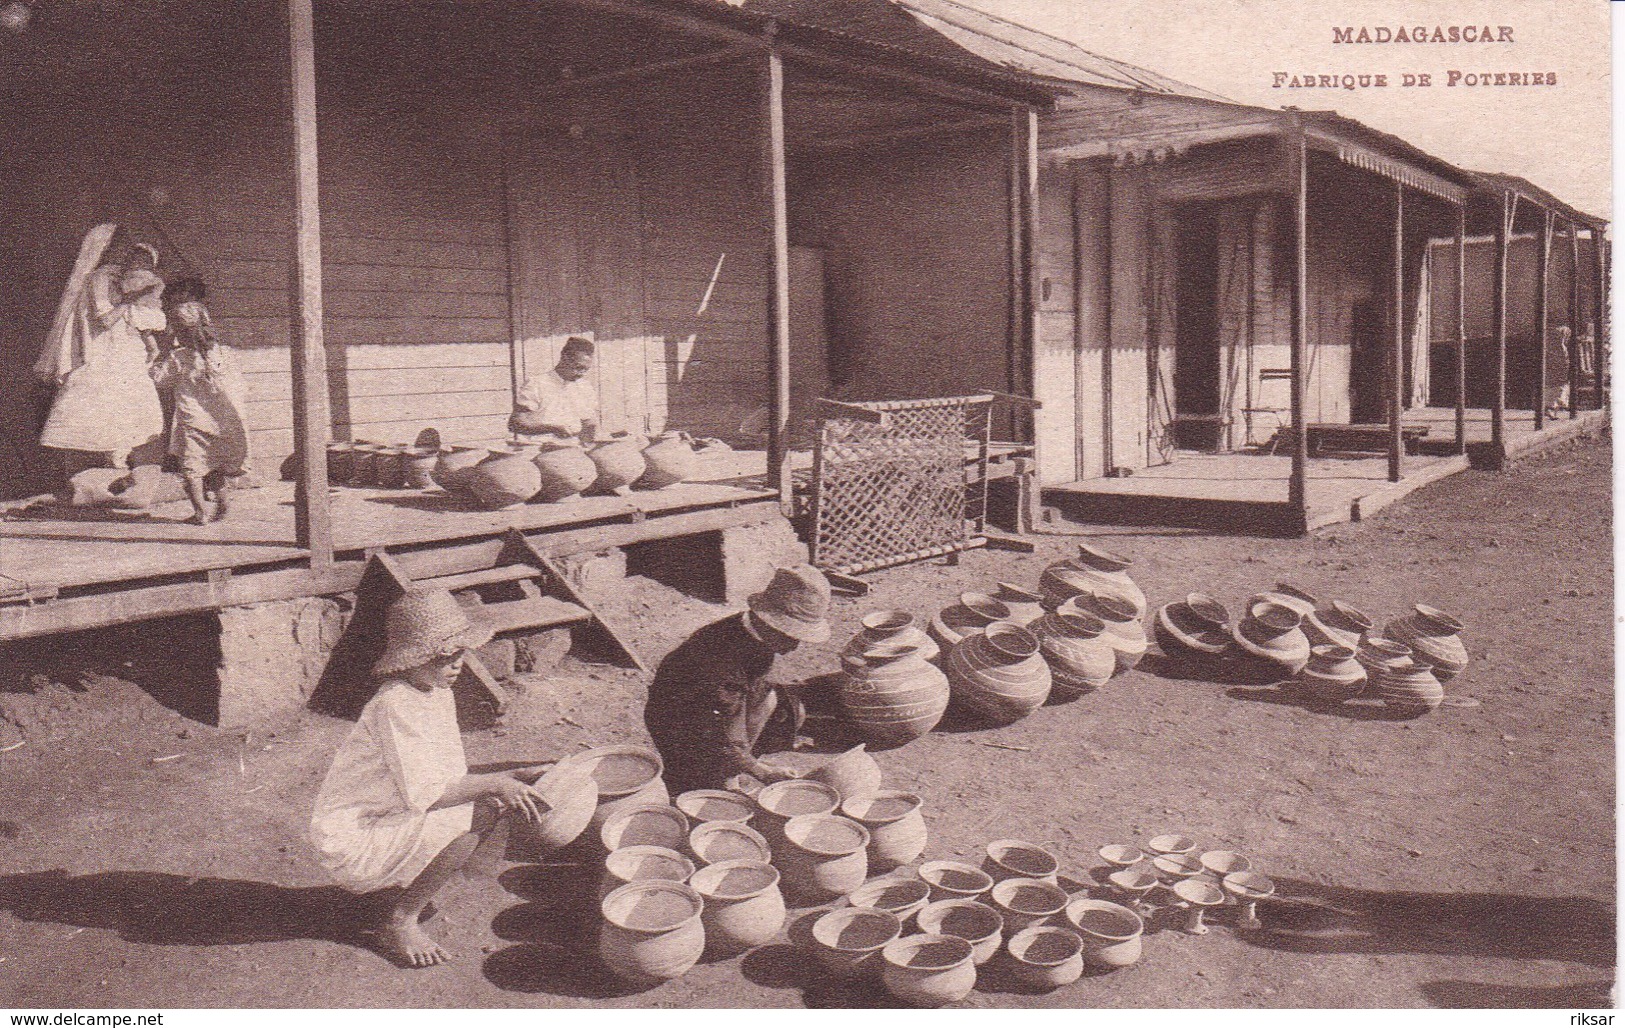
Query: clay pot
point(652, 931)
point(502, 480)
point(848, 940)
point(627, 776)
point(1196, 626)
point(1434, 638)
point(669, 460)
point(1111, 932)
point(1024, 902)
point(777, 803)
point(1333, 675)
point(891, 696)
point(1045, 957)
point(826, 856)
point(572, 796)
point(453, 465)
point(1287, 596)
point(895, 627)
point(1080, 659)
point(1120, 855)
point(949, 879)
point(651, 824)
point(643, 864)
point(901, 897)
point(854, 774)
point(928, 970)
point(743, 906)
point(716, 841)
point(1124, 632)
point(364, 464)
point(1377, 654)
point(998, 675)
point(618, 462)
point(340, 463)
point(420, 465)
point(1270, 635)
point(968, 919)
point(1219, 863)
point(1198, 894)
point(1338, 625)
point(972, 614)
point(703, 805)
point(1409, 688)
point(391, 468)
point(1176, 867)
point(1025, 606)
point(1093, 570)
point(1012, 858)
point(563, 472)
point(897, 833)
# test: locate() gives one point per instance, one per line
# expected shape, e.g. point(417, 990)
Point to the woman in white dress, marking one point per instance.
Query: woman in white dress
point(99, 349)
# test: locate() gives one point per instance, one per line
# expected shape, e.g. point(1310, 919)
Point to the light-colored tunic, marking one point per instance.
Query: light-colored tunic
point(566, 404)
point(208, 433)
point(372, 826)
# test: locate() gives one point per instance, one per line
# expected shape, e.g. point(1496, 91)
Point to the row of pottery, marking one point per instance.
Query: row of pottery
point(497, 479)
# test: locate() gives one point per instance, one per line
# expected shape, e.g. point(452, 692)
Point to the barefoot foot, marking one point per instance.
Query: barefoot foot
point(221, 507)
point(197, 519)
point(408, 945)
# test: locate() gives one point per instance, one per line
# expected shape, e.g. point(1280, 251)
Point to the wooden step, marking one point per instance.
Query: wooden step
point(535, 612)
point(488, 576)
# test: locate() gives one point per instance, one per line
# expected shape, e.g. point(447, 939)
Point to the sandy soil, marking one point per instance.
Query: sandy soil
point(1461, 859)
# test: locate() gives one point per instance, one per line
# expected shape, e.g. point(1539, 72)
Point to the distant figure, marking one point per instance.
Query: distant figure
point(395, 817)
point(98, 350)
point(560, 406)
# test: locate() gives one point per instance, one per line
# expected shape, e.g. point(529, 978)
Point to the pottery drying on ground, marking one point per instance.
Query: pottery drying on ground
point(1287, 596)
point(627, 776)
point(1333, 675)
point(1408, 688)
point(743, 905)
point(1046, 957)
point(1012, 858)
point(563, 472)
point(1093, 570)
point(894, 627)
point(928, 970)
point(1024, 902)
point(891, 696)
point(897, 832)
point(716, 841)
point(1340, 624)
point(848, 940)
point(950, 879)
point(668, 460)
point(854, 774)
point(1434, 638)
point(643, 864)
point(1198, 894)
point(1196, 626)
point(972, 614)
point(1080, 658)
point(1247, 888)
point(1124, 631)
point(1270, 635)
point(1025, 606)
point(652, 931)
point(701, 805)
point(825, 857)
point(998, 675)
point(778, 802)
point(1111, 932)
point(968, 919)
point(901, 897)
point(618, 463)
point(646, 824)
point(502, 480)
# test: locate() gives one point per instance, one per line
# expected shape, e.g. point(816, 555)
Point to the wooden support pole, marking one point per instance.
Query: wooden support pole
point(1599, 334)
point(1025, 371)
point(1543, 285)
point(1298, 485)
point(778, 301)
point(313, 528)
point(1498, 312)
point(1396, 353)
point(1461, 329)
point(1574, 320)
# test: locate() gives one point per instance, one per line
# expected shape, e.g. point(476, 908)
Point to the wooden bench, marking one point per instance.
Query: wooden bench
point(1358, 438)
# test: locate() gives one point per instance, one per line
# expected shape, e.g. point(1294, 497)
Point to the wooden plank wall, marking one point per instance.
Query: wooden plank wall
point(1131, 217)
point(1055, 386)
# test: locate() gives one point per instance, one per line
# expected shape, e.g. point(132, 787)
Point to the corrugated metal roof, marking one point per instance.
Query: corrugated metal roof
point(1498, 181)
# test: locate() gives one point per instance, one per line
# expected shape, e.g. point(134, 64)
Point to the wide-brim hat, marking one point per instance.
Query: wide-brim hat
point(422, 624)
point(795, 602)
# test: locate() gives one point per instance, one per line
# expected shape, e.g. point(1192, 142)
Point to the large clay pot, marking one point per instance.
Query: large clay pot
point(563, 472)
point(1270, 634)
point(627, 776)
point(895, 627)
point(928, 970)
point(1102, 572)
point(1378, 653)
point(854, 774)
point(968, 919)
point(778, 802)
point(1024, 902)
point(340, 463)
point(1409, 688)
point(1045, 957)
point(1337, 625)
point(897, 832)
point(571, 796)
point(1333, 675)
point(669, 460)
point(502, 480)
point(1197, 626)
point(1012, 858)
point(1124, 630)
point(703, 805)
point(652, 931)
point(848, 940)
point(891, 696)
point(619, 463)
point(649, 824)
point(1111, 932)
point(999, 675)
point(1287, 596)
point(1079, 657)
point(972, 614)
point(1025, 606)
point(826, 856)
point(643, 864)
point(1434, 638)
point(391, 468)
point(452, 466)
point(716, 841)
point(743, 905)
point(901, 897)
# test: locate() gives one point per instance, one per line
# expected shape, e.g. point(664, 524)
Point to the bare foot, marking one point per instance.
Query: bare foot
point(408, 945)
point(221, 507)
point(197, 519)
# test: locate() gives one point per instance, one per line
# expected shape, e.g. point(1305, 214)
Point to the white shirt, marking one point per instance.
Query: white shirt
point(562, 403)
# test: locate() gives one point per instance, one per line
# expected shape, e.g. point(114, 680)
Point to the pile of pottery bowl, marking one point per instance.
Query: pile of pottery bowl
point(1170, 872)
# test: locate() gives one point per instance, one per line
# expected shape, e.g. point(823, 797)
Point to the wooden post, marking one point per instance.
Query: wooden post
point(773, 162)
point(1396, 354)
point(1461, 329)
point(1025, 122)
point(1574, 320)
point(1543, 268)
point(1599, 337)
point(313, 528)
point(1298, 484)
point(1498, 312)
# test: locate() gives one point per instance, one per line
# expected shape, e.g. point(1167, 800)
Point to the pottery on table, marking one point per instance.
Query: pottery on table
point(1271, 635)
point(968, 919)
point(1248, 888)
point(1024, 902)
point(892, 626)
point(1025, 605)
point(668, 461)
point(1198, 626)
point(848, 940)
point(502, 480)
point(563, 471)
point(1095, 570)
point(627, 776)
point(713, 842)
point(651, 931)
point(1434, 638)
point(1111, 932)
point(340, 462)
point(1080, 658)
point(571, 796)
point(1124, 632)
point(743, 906)
point(853, 774)
point(826, 856)
point(928, 970)
point(1012, 858)
point(642, 864)
point(646, 824)
point(1198, 895)
point(778, 802)
point(392, 467)
point(903, 897)
point(1046, 957)
point(617, 463)
point(972, 614)
point(897, 833)
point(890, 694)
point(364, 458)
point(950, 879)
point(1409, 688)
point(1340, 624)
point(453, 465)
point(1333, 674)
point(998, 675)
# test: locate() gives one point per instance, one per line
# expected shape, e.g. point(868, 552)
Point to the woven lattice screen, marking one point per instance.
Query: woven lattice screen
point(913, 485)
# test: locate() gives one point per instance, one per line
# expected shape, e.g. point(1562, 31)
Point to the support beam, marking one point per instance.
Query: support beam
point(1298, 485)
point(1574, 320)
point(908, 133)
point(1543, 285)
point(1461, 329)
point(1498, 312)
point(632, 76)
point(1396, 353)
point(778, 300)
point(1599, 333)
point(313, 528)
point(1025, 371)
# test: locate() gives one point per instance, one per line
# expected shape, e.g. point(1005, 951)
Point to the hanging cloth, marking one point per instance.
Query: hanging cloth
point(64, 347)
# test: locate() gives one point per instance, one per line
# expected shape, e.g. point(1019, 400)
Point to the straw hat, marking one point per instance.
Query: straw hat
point(795, 602)
point(419, 626)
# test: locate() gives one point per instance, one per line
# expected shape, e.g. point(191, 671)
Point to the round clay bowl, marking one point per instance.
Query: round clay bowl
point(1012, 858)
point(1131, 881)
point(643, 864)
point(1219, 863)
point(1024, 902)
point(572, 798)
point(1119, 855)
point(950, 879)
point(985, 606)
point(971, 920)
point(849, 939)
point(650, 824)
point(797, 797)
point(853, 774)
point(904, 897)
point(702, 805)
point(1171, 843)
point(1103, 559)
point(1200, 893)
point(1448, 622)
point(1175, 866)
point(1248, 886)
point(1111, 932)
point(928, 970)
point(651, 931)
point(1046, 957)
point(715, 841)
point(1277, 618)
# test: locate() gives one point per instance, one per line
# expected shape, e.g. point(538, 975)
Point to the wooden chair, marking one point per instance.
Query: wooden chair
point(1282, 415)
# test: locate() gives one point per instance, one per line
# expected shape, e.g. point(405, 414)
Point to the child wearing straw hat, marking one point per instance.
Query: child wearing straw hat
point(395, 817)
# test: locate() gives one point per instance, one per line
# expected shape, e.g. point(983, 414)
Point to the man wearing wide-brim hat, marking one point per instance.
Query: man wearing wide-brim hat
point(711, 708)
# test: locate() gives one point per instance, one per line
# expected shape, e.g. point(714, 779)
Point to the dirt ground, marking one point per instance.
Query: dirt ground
point(1465, 858)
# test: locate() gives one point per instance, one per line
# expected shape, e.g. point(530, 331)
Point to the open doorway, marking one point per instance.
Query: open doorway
point(1198, 419)
point(1369, 335)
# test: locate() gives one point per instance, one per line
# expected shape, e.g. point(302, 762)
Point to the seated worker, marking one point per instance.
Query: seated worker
point(711, 709)
point(559, 405)
point(395, 818)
